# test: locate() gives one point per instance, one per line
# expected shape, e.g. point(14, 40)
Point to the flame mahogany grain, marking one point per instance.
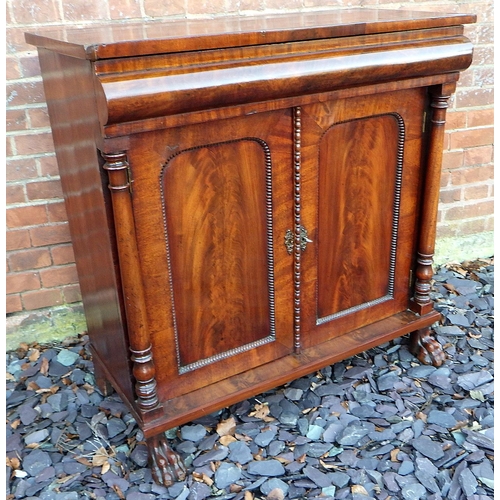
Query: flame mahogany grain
point(250, 199)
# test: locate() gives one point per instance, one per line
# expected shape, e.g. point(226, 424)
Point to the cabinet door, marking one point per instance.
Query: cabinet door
point(210, 203)
point(361, 170)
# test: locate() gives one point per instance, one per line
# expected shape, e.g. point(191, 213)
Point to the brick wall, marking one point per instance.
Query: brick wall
point(40, 264)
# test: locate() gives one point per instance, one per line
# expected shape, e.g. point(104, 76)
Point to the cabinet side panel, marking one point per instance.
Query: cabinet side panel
point(357, 182)
point(71, 104)
point(217, 224)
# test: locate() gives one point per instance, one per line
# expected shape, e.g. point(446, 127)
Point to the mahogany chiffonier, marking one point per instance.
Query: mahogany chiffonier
point(249, 199)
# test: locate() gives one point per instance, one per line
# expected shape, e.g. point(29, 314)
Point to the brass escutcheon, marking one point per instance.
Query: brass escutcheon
point(289, 239)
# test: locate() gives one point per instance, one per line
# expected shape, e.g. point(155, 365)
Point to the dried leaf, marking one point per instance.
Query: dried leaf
point(10, 377)
point(261, 411)
point(67, 478)
point(35, 354)
point(421, 416)
point(358, 488)
point(207, 480)
point(394, 455)
point(83, 461)
point(248, 495)
point(118, 491)
point(235, 488)
point(105, 467)
point(226, 427)
point(477, 395)
point(100, 457)
point(328, 466)
point(15, 423)
point(90, 390)
point(227, 440)
point(301, 459)
point(32, 386)
point(44, 367)
point(242, 437)
point(13, 462)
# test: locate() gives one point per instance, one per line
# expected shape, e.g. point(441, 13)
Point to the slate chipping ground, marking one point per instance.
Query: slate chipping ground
point(380, 425)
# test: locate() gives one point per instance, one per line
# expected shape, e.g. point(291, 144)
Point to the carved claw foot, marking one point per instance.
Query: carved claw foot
point(166, 465)
point(426, 349)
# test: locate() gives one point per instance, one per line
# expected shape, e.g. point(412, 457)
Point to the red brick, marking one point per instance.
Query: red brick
point(127, 9)
point(476, 192)
point(15, 194)
point(474, 97)
point(15, 39)
point(56, 276)
point(445, 230)
point(450, 195)
point(455, 119)
point(452, 159)
point(18, 239)
point(34, 258)
point(483, 76)
point(57, 212)
point(156, 9)
point(15, 120)
point(22, 93)
point(13, 304)
point(48, 166)
point(478, 156)
point(12, 68)
point(9, 146)
point(19, 170)
point(489, 224)
point(483, 54)
point(473, 175)
point(44, 190)
point(72, 293)
point(41, 298)
point(485, 33)
point(471, 137)
point(26, 216)
point(39, 117)
point(30, 12)
point(30, 65)
point(81, 11)
point(445, 179)
point(50, 235)
point(471, 226)
point(34, 143)
point(480, 209)
point(63, 254)
point(480, 118)
point(22, 282)
point(279, 4)
point(253, 5)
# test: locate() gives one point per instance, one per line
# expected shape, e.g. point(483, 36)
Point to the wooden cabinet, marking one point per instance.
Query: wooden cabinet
point(250, 199)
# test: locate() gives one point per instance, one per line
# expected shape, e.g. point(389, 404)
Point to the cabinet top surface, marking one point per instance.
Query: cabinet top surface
point(181, 35)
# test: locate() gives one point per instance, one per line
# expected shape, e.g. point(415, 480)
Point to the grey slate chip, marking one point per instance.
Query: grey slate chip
point(428, 448)
point(316, 417)
point(266, 468)
point(36, 461)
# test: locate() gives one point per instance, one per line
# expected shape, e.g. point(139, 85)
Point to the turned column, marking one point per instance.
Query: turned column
point(423, 345)
point(135, 307)
point(421, 302)
point(166, 465)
